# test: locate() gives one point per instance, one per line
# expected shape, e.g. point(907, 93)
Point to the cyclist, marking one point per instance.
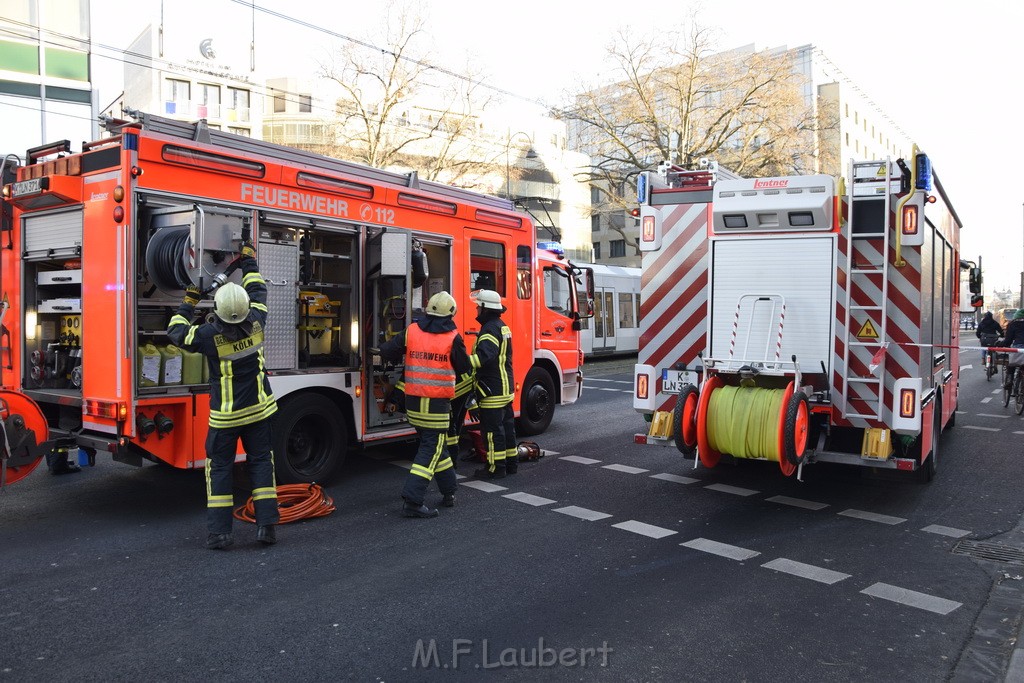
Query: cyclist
point(988, 332)
point(1015, 338)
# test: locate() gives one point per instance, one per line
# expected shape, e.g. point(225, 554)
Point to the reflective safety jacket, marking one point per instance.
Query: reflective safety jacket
point(492, 359)
point(240, 391)
point(428, 363)
point(426, 412)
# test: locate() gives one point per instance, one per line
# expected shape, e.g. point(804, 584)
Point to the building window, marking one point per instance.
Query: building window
point(238, 105)
point(279, 103)
point(597, 250)
point(305, 103)
point(239, 131)
point(616, 248)
point(176, 96)
point(595, 222)
point(207, 101)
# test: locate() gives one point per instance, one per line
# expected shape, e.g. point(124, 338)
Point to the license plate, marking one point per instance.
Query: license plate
point(673, 380)
point(27, 187)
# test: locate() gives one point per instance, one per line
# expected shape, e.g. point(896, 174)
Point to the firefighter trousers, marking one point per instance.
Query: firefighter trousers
point(431, 461)
point(497, 426)
point(221, 444)
point(460, 406)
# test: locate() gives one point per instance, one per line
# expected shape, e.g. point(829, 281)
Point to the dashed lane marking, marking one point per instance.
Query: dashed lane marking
point(405, 464)
point(731, 552)
point(735, 490)
point(529, 499)
point(582, 513)
point(806, 571)
point(1018, 432)
point(611, 381)
point(625, 468)
point(648, 530)
point(484, 486)
point(986, 399)
point(992, 415)
point(675, 478)
point(797, 502)
point(982, 429)
point(946, 531)
point(997, 391)
point(872, 517)
point(579, 459)
point(911, 598)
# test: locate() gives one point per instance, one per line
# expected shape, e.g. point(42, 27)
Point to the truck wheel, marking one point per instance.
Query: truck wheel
point(310, 439)
point(927, 470)
point(684, 421)
point(538, 403)
point(795, 429)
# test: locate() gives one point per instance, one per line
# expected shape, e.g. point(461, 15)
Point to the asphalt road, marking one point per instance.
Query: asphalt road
point(619, 554)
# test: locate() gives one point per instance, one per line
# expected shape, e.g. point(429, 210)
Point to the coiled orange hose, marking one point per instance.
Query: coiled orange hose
point(295, 501)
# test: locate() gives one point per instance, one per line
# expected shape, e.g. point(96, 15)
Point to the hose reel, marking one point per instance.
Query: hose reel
point(168, 256)
point(744, 421)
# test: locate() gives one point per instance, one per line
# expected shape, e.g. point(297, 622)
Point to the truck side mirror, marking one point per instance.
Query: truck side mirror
point(974, 281)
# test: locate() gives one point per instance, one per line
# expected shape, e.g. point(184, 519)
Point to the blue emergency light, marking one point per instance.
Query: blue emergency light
point(924, 173)
point(553, 247)
point(641, 189)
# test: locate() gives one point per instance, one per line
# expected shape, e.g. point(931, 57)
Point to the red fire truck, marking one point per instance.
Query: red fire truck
point(796, 319)
point(99, 245)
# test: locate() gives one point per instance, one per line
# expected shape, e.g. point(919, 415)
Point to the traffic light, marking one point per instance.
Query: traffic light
point(977, 300)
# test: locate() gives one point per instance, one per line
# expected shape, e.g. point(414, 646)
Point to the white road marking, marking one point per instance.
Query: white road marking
point(1018, 432)
point(675, 477)
point(625, 468)
point(992, 415)
point(911, 598)
point(982, 429)
point(576, 458)
point(986, 399)
point(735, 490)
point(798, 502)
point(731, 552)
point(966, 367)
point(998, 391)
point(806, 571)
point(644, 529)
point(529, 499)
point(582, 513)
point(407, 464)
point(961, 412)
point(611, 381)
point(484, 486)
point(460, 476)
point(945, 531)
point(872, 517)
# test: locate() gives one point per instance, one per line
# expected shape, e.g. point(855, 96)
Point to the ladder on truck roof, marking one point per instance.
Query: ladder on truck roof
point(870, 181)
point(199, 131)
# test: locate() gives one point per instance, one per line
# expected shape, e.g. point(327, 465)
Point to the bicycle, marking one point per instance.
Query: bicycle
point(1016, 392)
point(991, 362)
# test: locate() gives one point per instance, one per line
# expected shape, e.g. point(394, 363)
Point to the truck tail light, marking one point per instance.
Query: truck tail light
point(910, 219)
point(111, 410)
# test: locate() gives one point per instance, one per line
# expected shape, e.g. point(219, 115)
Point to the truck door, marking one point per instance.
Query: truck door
point(387, 265)
point(556, 317)
point(604, 319)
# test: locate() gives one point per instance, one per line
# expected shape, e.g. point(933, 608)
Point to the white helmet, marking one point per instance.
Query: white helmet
point(231, 303)
point(441, 305)
point(487, 298)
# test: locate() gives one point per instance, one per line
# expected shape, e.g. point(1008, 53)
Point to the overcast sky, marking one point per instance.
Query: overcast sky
point(948, 73)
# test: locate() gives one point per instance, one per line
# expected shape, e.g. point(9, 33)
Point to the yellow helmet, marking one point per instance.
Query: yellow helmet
point(231, 303)
point(441, 305)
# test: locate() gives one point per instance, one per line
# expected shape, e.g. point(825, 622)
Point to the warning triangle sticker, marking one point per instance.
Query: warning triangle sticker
point(881, 170)
point(867, 331)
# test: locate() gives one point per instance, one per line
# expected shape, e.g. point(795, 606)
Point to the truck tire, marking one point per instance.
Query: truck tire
point(926, 472)
point(537, 406)
point(684, 421)
point(310, 439)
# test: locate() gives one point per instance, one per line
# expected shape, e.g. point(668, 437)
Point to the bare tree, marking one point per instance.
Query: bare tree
point(678, 100)
point(397, 110)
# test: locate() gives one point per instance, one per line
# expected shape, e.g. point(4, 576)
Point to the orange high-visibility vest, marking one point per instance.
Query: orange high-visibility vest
point(428, 363)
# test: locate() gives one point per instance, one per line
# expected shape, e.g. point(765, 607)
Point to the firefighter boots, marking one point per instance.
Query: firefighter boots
point(219, 541)
point(267, 535)
point(485, 473)
point(413, 510)
point(448, 500)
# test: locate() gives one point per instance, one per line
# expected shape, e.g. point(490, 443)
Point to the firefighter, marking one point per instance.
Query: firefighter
point(241, 401)
point(435, 355)
point(495, 385)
